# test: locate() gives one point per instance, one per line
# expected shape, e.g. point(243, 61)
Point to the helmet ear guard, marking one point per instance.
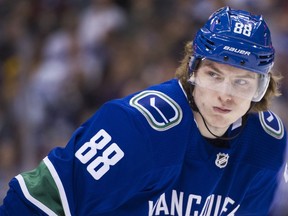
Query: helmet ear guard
point(194, 64)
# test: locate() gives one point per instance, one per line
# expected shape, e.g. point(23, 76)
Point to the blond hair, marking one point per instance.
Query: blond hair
point(262, 105)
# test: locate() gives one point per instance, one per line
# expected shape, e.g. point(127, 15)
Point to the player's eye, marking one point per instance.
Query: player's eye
point(241, 82)
point(215, 76)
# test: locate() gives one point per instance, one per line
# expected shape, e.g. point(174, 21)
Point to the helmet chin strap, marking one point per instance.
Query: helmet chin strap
point(222, 137)
point(195, 108)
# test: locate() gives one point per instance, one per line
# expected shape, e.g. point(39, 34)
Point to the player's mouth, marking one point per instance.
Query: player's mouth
point(221, 110)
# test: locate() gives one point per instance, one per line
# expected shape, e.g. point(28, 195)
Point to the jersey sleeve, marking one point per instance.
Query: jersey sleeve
point(104, 164)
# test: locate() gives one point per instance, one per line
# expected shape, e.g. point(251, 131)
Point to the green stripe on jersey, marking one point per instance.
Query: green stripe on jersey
point(42, 187)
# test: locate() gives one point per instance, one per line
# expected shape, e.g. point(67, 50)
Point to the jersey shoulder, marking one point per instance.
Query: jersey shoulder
point(163, 114)
point(265, 140)
point(269, 123)
point(161, 106)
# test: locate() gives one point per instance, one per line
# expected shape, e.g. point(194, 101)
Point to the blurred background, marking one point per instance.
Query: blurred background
point(61, 59)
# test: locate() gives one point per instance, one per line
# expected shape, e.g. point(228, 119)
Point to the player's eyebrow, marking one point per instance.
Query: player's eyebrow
point(213, 67)
point(247, 74)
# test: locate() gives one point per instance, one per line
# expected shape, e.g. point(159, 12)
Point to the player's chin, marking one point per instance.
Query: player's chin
point(222, 122)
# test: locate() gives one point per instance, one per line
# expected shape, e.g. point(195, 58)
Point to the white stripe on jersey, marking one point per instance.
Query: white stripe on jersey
point(32, 199)
point(59, 186)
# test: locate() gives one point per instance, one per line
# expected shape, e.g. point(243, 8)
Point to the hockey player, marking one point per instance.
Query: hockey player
point(203, 143)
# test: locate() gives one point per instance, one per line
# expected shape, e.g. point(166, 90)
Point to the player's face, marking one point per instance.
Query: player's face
point(223, 94)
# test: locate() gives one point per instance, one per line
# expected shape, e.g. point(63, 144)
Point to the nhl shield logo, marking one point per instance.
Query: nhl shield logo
point(222, 160)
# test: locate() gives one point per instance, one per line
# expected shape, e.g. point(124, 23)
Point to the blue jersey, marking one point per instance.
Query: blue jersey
point(144, 155)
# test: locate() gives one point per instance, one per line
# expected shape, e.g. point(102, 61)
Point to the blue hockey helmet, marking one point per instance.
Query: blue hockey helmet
point(237, 38)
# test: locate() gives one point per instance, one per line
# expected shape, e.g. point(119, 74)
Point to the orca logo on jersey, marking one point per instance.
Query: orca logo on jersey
point(272, 124)
point(221, 160)
point(161, 111)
